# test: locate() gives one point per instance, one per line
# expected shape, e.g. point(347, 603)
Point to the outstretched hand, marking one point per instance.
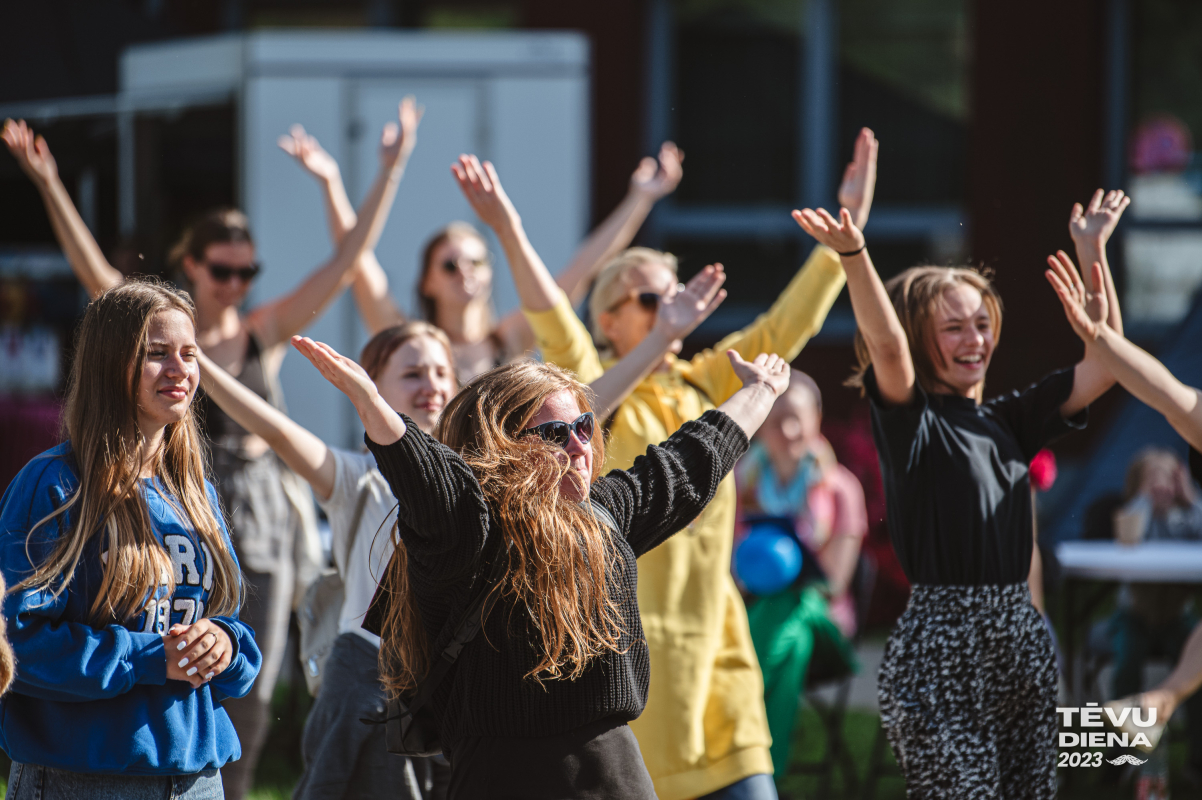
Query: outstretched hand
point(680, 314)
point(767, 369)
point(309, 153)
point(1096, 222)
point(841, 235)
point(344, 373)
point(482, 188)
point(1086, 310)
point(397, 141)
point(383, 425)
point(31, 152)
point(655, 179)
point(859, 179)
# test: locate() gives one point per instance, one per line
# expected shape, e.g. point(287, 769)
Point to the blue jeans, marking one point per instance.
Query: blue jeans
point(757, 787)
point(33, 782)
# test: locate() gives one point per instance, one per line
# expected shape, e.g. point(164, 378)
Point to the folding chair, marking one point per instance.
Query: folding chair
point(832, 712)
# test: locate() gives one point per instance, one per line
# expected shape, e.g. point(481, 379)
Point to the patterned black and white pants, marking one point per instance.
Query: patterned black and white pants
point(968, 695)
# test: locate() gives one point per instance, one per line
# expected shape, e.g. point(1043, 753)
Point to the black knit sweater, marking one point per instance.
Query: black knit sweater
point(447, 528)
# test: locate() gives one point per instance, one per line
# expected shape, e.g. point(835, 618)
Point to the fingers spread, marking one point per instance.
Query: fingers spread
point(830, 221)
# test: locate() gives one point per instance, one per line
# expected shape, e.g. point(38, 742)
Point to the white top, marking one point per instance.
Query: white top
point(362, 568)
point(1147, 562)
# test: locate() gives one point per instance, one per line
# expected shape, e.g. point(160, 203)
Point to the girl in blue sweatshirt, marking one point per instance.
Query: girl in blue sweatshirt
point(123, 597)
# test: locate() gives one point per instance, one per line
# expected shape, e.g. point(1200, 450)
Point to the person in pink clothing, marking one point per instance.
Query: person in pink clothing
point(791, 473)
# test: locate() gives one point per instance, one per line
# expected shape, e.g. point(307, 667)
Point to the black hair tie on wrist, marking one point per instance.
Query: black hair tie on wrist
point(854, 252)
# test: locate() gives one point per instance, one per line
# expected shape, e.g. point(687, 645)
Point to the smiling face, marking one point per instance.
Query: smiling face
point(170, 373)
point(417, 380)
point(963, 340)
point(468, 278)
point(207, 291)
point(562, 406)
point(628, 322)
point(792, 428)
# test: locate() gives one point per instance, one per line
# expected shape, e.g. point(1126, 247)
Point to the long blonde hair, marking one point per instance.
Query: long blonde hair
point(100, 421)
point(916, 294)
point(8, 665)
point(561, 562)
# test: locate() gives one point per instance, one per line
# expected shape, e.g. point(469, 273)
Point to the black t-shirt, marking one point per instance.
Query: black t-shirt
point(957, 493)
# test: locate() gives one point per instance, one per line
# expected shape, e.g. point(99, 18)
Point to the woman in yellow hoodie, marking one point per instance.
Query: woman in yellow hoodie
point(705, 730)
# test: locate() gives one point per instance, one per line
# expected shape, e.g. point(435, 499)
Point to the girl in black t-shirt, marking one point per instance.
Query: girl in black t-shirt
point(968, 683)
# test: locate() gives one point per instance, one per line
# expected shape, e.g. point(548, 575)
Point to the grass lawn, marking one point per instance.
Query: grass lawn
point(280, 765)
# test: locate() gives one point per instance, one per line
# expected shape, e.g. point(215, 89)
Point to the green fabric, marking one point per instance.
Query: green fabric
point(789, 630)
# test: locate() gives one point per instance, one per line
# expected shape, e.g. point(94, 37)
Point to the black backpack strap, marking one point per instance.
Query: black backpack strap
point(604, 517)
point(469, 626)
point(465, 631)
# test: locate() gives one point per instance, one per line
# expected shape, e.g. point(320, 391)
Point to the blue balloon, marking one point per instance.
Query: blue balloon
point(768, 560)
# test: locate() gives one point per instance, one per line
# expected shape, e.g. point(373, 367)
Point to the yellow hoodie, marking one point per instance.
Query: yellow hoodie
point(705, 726)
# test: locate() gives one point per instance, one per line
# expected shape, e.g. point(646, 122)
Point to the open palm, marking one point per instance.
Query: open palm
point(346, 375)
point(680, 314)
point(1086, 311)
point(1099, 218)
point(399, 138)
point(31, 152)
point(656, 179)
point(309, 153)
point(859, 178)
point(766, 368)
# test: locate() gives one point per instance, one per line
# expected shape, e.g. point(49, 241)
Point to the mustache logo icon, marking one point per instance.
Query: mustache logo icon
point(1124, 759)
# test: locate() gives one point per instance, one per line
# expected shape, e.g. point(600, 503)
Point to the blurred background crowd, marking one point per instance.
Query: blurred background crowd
point(994, 118)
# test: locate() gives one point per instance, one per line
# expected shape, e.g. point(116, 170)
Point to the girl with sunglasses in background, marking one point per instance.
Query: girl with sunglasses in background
point(705, 729)
point(270, 508)
point(412, 367)
point(455, 285)
point(537, 706)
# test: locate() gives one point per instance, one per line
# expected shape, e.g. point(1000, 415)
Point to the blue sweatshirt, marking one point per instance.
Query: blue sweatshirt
point(97, 699)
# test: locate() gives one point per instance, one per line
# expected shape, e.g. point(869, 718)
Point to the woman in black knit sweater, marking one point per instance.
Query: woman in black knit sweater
point(537, 705)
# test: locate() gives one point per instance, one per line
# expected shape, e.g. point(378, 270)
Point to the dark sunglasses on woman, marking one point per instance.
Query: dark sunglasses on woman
point(648, 300)
point(560, 432)
point(451, 266)
point(223, 272)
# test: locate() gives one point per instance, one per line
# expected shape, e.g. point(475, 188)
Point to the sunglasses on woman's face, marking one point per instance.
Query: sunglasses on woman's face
point(648, 300)
point(223, 272)
point(560, 432)
point(451, 266)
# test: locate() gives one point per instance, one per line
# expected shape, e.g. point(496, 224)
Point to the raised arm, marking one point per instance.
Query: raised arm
point(1091, 228)
point(278, 320)
point(79, 245)
point(382, 424)
point(673, 482)
point(1092, 376)
point(1134, 368)
point(438, 497)
point(764, 379)
point(676, 318)
point(651, 181)
point(304, 453)
point(875, 315)
point(481, 186)
point(369, 282)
